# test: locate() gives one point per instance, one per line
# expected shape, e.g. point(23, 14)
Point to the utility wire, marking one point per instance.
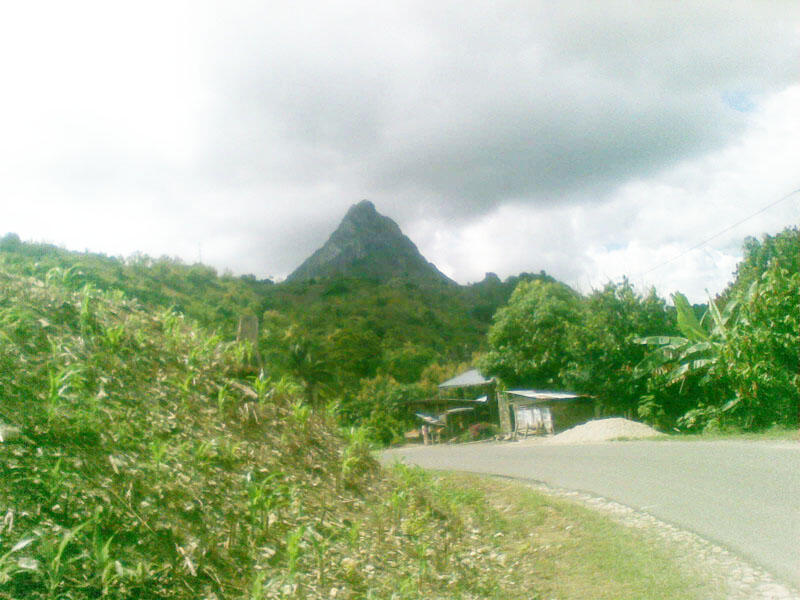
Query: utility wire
point(719, 233)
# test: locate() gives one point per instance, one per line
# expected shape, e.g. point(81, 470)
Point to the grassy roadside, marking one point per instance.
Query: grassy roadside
point(775, 434)
point(549, 548)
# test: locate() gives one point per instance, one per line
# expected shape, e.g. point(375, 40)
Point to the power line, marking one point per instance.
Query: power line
point(719, 233)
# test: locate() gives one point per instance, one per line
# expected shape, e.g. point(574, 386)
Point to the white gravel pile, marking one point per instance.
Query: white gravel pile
point(603, 430)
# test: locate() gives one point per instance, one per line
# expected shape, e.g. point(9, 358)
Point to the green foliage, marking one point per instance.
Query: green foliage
point(736, 367)
point(194, 290)
point(692, 363)
point(147, 468)
point(380, 406)
point(328, 336)
point(533, 339)
point(606, 351)
point(407, 363)
point(764, 353)
point(782, 248)
point(732, 363)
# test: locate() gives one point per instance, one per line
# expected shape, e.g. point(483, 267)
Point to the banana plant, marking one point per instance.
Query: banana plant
point(699, 351)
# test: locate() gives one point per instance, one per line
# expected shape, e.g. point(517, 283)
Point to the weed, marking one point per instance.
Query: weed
point(222, 398)
point(107, 570)
point(257, 588)
point(114, 337)
point(301, 412)
point(264, 497)
point(293, 547)
point(356, 456)
point(158, 450)
point(262, 387)
point(55, 563)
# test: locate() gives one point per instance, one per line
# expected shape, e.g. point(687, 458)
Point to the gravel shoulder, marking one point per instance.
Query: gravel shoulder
point(742, 496)
point(728, 571)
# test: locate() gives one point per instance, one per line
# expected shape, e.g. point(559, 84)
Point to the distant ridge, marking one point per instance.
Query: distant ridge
point(368, 244)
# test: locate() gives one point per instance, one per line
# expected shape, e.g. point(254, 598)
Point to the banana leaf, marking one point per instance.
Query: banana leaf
point(720, 320)
point(687, 321)
point(665, 341)
point(680, 372)
point(702, 348)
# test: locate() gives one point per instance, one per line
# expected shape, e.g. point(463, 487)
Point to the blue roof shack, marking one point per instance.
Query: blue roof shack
point(462, 400)
point(467, 379)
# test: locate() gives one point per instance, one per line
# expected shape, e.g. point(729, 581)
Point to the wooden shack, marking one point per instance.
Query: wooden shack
point(463, 400)
point(470, 389)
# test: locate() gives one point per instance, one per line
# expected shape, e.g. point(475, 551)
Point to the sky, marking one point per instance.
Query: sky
point(592, 140)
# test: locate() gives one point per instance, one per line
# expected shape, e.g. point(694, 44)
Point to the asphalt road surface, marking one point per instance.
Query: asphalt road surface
point(742, 495)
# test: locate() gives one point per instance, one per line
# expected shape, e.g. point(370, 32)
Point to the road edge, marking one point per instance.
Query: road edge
point(742, 579)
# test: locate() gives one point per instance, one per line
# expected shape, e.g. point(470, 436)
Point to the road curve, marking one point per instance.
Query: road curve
point(741, 494)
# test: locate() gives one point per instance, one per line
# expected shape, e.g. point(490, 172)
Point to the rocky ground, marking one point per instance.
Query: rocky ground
point(742, 580)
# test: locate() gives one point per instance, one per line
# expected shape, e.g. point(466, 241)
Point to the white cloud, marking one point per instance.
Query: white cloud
point(645, 230)
point(584, 139)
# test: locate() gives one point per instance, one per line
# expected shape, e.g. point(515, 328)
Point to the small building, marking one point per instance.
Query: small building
point(465, 399)
point(473, 390)
point(543, 411)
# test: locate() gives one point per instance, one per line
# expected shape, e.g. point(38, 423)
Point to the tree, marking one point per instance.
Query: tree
point(355, 353)
point(606, 351)
point(783, 247)
point(763, 355)
point(690, 366)
point(407, 362)
point(532, 340)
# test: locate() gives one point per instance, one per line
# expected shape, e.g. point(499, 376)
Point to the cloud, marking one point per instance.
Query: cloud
point(648, 228)
point(476, 105)
point(245, 130)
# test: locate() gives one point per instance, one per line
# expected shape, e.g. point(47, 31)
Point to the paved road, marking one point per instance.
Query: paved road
point(742, 495)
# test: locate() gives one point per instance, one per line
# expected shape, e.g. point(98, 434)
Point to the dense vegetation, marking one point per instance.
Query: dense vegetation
point(159, 283)
point(363, 348)
point(339, 339)
point(136, 462)
point(732, 363)
point(144, 454)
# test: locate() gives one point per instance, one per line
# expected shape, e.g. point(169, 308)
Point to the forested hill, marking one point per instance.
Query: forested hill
point(367, 275)
point(342, 327)
point(364, 346)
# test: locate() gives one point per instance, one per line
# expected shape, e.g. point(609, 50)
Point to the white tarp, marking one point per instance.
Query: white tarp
point(533, 418)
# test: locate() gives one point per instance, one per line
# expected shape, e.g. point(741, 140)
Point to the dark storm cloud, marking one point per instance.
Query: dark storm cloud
point(476, 105)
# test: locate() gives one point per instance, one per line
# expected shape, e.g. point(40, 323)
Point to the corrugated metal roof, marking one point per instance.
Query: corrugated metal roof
point(429, 419)
point(543, 395)
point(461, 409)
point(466, 379)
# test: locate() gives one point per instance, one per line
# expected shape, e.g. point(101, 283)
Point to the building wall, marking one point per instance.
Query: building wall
point(570, 414)
point(565, 414)
point(503, 407)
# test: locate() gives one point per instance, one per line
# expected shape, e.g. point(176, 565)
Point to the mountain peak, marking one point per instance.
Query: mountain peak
point(368, 244)
point(365, 207)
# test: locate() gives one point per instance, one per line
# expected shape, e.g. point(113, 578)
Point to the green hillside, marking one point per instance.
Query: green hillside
point(333, 336)
point(135, 463)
